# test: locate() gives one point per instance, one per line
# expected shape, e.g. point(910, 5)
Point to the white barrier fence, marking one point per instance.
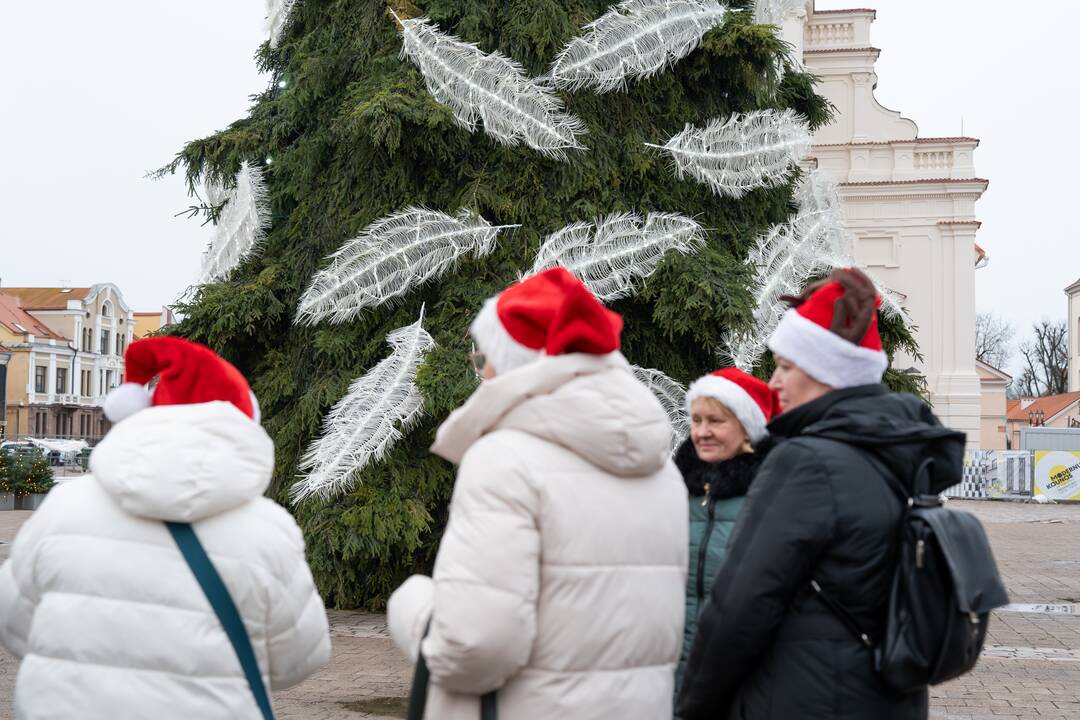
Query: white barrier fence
point(996, 474)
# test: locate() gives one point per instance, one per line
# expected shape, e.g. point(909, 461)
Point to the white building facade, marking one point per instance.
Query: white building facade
point(910, 205)
point(68, 375)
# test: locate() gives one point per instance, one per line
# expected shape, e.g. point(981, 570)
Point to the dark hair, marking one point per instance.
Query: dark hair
point(855, 309)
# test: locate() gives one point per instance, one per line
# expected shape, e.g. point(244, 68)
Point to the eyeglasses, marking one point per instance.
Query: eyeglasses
point(478, 361)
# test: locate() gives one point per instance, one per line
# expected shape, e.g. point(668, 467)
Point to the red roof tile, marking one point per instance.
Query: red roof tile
point(20, 322)
point(46, 298)
point(1049, 406)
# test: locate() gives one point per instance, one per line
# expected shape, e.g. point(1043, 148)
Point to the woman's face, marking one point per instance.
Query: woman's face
point(794, 386)
point(716, 433)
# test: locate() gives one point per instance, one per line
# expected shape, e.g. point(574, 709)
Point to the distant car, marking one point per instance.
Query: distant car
point(20, 449)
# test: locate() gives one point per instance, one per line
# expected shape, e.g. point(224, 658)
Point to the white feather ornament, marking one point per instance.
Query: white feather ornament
point(277, 15)
point(742, 153)
point(672, 397)
point(375, 413)
point(242, 224)
point(774, 12)
point(786, 257)
point(612, 255)
point(489, 88)
point(635, 39)
point(392, 256)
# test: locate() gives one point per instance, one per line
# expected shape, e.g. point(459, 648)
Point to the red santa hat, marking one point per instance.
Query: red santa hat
point(832, 332)
point(552, 313)
point(188, 373)
point(752, 401)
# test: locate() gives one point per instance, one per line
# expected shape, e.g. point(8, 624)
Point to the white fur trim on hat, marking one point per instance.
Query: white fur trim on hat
point(824, 355)
point(502, 351)
point(734, 398)
point(125, 400)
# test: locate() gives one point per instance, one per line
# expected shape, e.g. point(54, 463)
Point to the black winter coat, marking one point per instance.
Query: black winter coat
point(767, 647)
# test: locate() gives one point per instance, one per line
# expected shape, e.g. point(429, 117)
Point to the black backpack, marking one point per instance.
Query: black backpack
point(945, 585)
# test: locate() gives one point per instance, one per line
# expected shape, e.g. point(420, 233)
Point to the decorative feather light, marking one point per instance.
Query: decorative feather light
point(672, 397)
point(614, 254)
point(277, 16)
point(375, 413)
point(241, 225)
point(392, 256)
point(774, 12)
point(489, 88)
point(635, 39)
point(742, 153)
point(786, 257)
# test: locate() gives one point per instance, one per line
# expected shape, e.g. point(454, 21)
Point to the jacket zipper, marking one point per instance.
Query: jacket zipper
point(704, 548)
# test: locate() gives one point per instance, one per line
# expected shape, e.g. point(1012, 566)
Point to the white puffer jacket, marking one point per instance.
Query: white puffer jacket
point(107, 617)
point(560, 578)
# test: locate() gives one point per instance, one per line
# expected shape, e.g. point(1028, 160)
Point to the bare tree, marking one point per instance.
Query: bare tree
point(1046, 361)
point(993, 339)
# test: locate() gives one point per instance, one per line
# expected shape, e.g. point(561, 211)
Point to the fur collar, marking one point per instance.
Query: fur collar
point(727, 479)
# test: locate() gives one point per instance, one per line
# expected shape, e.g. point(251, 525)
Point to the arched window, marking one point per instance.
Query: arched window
point(106, 309)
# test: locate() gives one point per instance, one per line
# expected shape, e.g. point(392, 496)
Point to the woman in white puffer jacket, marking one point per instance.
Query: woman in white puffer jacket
point(97, 600)
point(559, 581)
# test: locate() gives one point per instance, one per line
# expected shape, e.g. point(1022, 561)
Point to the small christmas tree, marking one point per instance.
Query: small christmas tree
point(30, 473)
point(5, 472)
point(437, 151)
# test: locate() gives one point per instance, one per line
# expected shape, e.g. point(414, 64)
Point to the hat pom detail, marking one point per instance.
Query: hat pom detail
point(126, 400)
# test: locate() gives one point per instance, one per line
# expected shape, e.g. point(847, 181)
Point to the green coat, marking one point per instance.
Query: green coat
point(717, 492)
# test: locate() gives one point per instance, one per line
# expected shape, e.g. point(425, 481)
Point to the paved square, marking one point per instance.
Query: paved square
point(1031, 667)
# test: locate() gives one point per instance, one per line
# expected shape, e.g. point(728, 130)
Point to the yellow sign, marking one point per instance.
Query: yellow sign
point(1057, 474)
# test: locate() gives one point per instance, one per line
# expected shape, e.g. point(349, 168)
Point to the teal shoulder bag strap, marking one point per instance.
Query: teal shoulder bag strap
point(419, 692)
point(224, 607)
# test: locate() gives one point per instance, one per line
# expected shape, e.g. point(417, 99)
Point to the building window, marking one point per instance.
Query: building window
point(108, 381)
point(106, 309)
point(87, 379)
point(87, 340)
point(61, 381)
point(120, 345)
point(104, 347)
point(41, 423)
point(39, 378)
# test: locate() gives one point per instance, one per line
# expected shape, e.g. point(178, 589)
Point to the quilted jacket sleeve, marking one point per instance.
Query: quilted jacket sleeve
point(486, 574)
point(299, 633)
point(19, 594)
point(786, 522)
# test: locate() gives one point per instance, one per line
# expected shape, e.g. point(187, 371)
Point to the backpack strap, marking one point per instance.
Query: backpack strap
point(225, 609)
point(842, 614)
point(419, 692)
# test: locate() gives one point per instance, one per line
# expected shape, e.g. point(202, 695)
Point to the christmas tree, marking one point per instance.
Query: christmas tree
point(410, 159)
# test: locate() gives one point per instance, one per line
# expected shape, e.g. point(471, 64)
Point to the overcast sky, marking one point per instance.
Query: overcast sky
point(99, 93)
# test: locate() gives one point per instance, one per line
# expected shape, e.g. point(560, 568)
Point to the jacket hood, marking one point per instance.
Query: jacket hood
point(899, 429)
point(183, 463)
point(721, 480)
point(589, 404)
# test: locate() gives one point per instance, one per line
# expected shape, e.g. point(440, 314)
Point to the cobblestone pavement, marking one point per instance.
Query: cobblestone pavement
point(1030, 669)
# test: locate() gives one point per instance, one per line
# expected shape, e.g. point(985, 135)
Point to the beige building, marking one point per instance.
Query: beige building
point(994, 384)
point(150, 322)
point(1055, 411)
point(67, 347)
point(1073, 293)
point(910, 205)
